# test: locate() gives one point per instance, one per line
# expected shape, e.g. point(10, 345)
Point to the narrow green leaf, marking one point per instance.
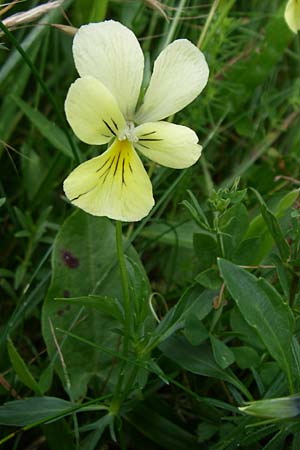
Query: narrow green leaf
point(274, 228)
point(246, 357)
point(33, 409)
point(264, 310)
point(198, 360)
point(21, 368)
point(206, 249)
point(193, 301)
point(48, 129)
point(104, 304)
point(62, 429)
point(257, 251)
point(194, 330)
point(46, 378)
point(257, 225)
point(283, 274)
point(173, 234)
point(235, 221)
point(222, 353)
point(276, 232)
point(209, 279)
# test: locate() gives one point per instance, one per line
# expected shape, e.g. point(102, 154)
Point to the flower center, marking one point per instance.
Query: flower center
point(128, 133)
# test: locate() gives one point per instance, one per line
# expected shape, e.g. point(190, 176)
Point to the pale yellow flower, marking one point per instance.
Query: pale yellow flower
point(292, 15)
point(101, 106)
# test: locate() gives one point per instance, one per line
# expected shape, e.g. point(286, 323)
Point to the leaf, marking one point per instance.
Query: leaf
point(276, 232)
point(233, 225)
point(21, 368)
point(33, 409)
point(194, 300)
point(84, 262)
point(234, 221)
point(98, 427)
point(284, 276)
point(222, 353)
point(209, 279)
point(206, 249)
point(274, 228)
point(286, 202)
point(46, 378)
point(259, 230)
point(173, 234)
point(194, 330)
point(48, 129)
point(161, 430)
point(2, 201)
point(246, 357)
point(257, 224)
point(263, 309)
point(251, 251)
point(107, 305)
point(198, 360)
point(59, 428)
point(139, 288)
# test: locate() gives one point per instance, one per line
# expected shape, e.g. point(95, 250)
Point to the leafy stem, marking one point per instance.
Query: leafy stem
point(125, 287)
point(117, 400)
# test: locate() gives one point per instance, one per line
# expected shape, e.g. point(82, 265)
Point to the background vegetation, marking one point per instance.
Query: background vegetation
point(213, 270)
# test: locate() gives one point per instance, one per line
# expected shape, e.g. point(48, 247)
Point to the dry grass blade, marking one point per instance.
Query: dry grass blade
point(30, 15)
point(71, 31)
point(158, 6)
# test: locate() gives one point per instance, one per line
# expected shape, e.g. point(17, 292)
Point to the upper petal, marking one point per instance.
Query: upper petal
point(179, 75)
point(114, 184)
point(168, 144)
point(292, 15)
point(110, 52)
point(92, 111)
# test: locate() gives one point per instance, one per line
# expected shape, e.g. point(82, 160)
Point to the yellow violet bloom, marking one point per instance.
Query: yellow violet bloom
point(101, 106)
point(292, 15)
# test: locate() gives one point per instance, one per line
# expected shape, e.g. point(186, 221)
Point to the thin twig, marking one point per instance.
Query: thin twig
point(30, 15)
point(62, 361)
point(5, 384)
point(8, 7)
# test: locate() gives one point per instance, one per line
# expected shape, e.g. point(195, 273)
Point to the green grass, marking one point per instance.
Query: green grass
point(204, 292)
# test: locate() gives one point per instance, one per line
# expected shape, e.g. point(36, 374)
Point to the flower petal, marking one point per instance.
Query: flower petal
point(110, 52)
point(179, 75)
point(292, 15)
point(114, 184)
point(92, 111)
point(168, 144)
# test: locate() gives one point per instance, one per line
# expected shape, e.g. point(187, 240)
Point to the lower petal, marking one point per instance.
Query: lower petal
point(168, 144)
point(114, 184)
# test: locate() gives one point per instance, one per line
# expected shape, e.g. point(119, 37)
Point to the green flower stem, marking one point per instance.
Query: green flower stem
point(125, 287)
point(207, 23)
point(129, 385)
point(118, 397)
